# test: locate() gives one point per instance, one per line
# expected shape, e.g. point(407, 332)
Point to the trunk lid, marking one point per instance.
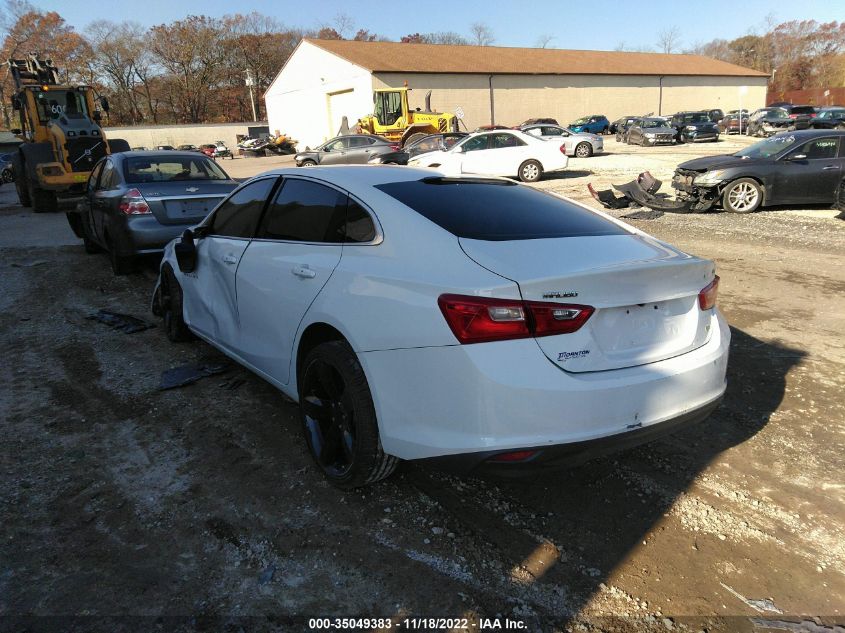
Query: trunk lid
point(645, 295)
point(184, 202)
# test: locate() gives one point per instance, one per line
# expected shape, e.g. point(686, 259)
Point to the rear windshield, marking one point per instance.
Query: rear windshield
point(803, 110)
point(495, 210)
point(170, 169)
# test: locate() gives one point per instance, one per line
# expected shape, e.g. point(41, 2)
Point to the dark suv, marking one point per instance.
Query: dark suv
point(694, 126)
point(802, 115)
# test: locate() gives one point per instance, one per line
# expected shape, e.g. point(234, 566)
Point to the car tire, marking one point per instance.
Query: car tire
point(530, 171)
point(307, 163)
point(120, 264)
point(88, 242)
point(339, 419)
point(742, 196)
point(171, 303)
point(583, 150)
point(43, 201)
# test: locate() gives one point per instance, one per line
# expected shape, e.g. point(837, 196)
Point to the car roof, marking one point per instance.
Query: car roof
point(814, 133)
point(356, 177)
point(159, 154)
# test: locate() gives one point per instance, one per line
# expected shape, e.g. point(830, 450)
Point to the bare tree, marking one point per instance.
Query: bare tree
point(669, 39)
point(482, 35)
point(445, 37)
point(343, 24)
point(544, 40)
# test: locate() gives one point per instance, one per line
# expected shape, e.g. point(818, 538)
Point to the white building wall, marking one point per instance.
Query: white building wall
point(299, 101)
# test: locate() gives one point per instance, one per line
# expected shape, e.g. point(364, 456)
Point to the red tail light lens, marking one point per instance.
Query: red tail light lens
point(395, 147)
point(708, 294)
point(513, 456)
point(133, 203)
point(479, 319)
point(563, 149)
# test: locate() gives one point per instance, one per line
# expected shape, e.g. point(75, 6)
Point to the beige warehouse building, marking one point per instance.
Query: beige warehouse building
point(325, 80)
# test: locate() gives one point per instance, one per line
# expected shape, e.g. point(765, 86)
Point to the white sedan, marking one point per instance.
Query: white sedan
point(498, 153)
point(474, 322)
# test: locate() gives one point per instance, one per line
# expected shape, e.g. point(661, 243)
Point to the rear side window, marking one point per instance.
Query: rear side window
point(305, 211)
point(497, 210)
point(239, 215)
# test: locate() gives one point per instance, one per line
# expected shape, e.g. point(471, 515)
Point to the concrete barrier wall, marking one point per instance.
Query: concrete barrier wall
point(152, 135)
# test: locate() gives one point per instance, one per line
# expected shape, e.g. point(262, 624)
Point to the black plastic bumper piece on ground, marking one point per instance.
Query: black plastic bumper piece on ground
point(561, 456)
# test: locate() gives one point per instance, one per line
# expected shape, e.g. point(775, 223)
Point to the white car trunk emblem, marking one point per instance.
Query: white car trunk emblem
point(192, 189)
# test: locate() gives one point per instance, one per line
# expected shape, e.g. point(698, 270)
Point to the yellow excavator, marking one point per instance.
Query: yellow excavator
point(61, 133)
point(396, 121)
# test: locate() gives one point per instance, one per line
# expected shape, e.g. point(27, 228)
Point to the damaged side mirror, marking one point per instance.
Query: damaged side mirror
point(186, 252)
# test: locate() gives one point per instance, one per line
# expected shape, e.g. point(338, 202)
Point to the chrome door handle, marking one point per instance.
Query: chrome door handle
point(230, 259)
point(304, 272)
point(829, 167)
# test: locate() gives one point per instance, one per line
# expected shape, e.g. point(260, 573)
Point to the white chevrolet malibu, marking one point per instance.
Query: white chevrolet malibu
point(499, 153)
point(472, 322)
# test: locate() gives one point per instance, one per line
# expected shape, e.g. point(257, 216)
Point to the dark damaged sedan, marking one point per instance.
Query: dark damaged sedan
point(801, 167)
point(136, 202)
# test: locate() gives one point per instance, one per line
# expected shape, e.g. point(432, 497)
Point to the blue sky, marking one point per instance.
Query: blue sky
point(600, 24)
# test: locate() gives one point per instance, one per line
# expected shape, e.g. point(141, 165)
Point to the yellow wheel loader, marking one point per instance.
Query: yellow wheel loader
point(395, 121)
point(62, 137)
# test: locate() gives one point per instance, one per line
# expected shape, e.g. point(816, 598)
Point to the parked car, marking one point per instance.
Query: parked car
point(498, 153)
point(768, 121)
point(430, 143)
point(139, 148)
point(136, 202)
point(540, 121)
point(650, 131)
point(488, 128)
point(800, 167)
point(351, 149)
point(692, 127)
point(829, 118)
point(165, 148)
point(188, 148)
point(208, 149)
point(594, 124)
point(533, 306)
point(731, 124)
point(801, 115)
point(621, 127)
point(614, 125)
point(7, 170)
point(716, 115)
point(582, 145)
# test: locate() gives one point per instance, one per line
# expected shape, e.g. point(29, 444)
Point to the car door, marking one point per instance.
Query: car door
point(553, 133)
point(334, 153)
point(298, 246)
point(809, 173)
point(474, 152)
point(360, 150)
point(209, 292)
point(105, 201)
point(86, 205)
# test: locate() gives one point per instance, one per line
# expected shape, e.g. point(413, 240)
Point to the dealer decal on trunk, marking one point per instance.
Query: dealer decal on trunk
point(567, 355)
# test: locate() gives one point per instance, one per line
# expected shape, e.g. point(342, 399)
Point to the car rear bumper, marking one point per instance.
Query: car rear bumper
point(548, 458)
point(146, 235)
point(504, 396)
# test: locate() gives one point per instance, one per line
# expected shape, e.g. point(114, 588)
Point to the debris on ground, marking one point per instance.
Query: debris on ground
point(126, 323)
point(651, 214)
point(758, 605)
point(188, 374)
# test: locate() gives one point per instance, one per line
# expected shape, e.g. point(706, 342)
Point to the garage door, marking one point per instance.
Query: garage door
point(342, 104)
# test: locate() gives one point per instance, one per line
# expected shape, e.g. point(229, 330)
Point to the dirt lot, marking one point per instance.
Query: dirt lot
point(198, 508)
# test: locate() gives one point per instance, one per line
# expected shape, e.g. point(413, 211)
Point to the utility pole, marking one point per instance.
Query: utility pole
point(250, 83)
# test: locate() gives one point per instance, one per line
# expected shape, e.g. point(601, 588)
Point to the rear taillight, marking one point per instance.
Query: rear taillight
point(513, 456)
point(133, 203)
point(480, 319)
point(563, 149)
point(708, 294)
point(395, 147)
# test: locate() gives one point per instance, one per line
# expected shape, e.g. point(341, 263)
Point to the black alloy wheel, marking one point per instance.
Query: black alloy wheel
point(338, 418)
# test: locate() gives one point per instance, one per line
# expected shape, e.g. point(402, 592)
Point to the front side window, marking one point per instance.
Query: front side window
point(388, 107)
point(552, 131)
point(305, 211)
point(92, 179)
point(239, 215)
point(334, 146)
point(108, 179)
point(819, 148)
point(475, 143)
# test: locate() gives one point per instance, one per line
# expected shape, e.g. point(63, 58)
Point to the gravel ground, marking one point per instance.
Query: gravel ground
point(119, 500)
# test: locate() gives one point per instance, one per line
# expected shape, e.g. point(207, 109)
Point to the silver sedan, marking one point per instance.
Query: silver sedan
point(580, 144)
